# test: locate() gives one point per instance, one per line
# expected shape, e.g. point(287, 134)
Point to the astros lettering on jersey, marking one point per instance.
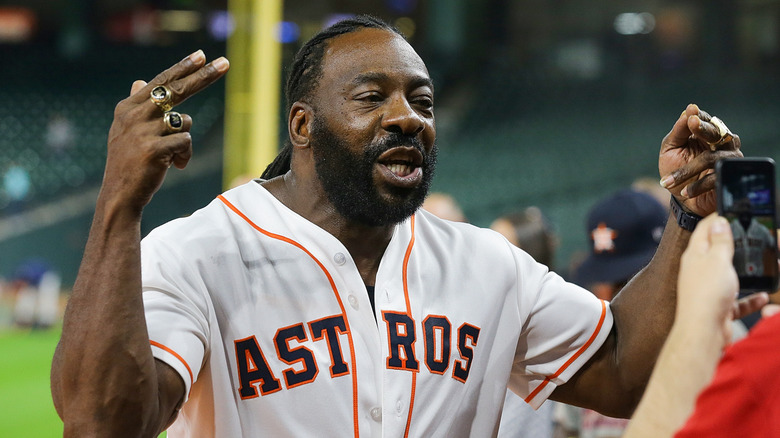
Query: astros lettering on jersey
point(267, 320)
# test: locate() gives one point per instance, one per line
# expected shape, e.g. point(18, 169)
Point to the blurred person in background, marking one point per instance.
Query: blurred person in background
point(17, 187)
point(623, 229)
point(228, 306)
point(443, 205)
point(530, 231)
point(649, 185)
point(37, 289)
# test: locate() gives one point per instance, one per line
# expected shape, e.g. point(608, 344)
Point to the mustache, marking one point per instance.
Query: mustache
point(395, 140)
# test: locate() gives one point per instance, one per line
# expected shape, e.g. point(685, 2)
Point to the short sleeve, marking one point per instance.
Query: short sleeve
point(175, 309)
point(564, 327)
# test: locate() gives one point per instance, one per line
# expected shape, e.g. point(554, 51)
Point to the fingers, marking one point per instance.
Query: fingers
point(713, 132)
point(707, 283)
point(186, 78)
point(698, 140)
point(749, 304)
point(712, 238)
point(680, 133)
point(720, 236)
point(769, 310)
point(137, 86)
point(176, 149)
point(186, 124)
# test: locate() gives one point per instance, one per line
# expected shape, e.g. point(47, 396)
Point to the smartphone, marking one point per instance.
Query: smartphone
point(746, 198)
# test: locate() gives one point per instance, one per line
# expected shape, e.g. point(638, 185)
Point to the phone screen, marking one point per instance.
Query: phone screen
point(746, 198)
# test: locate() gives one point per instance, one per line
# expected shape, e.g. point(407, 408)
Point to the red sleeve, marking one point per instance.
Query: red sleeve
point(742, 399)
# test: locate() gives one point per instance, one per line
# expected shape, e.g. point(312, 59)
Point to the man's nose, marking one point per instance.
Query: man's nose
point(401, 118)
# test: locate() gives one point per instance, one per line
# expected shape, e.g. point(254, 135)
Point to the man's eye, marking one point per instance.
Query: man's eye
point(424, 102)
point(370, 97)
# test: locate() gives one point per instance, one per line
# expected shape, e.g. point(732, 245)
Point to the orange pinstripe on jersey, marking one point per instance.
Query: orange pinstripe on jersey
point(409, 312)
point(574, 357)
point(355, 424)
point(176, 355)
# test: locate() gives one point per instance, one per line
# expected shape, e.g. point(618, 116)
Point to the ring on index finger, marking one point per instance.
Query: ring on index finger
point(725, 134)
point(173, 121)
point(161, 96)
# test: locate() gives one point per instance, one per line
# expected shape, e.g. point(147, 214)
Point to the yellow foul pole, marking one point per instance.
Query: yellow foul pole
point(252, 89)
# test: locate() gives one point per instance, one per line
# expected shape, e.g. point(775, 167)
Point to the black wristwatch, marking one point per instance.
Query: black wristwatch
point(685, 219)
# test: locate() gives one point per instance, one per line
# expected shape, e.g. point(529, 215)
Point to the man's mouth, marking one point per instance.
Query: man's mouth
point(402, 166)
point(401, 170)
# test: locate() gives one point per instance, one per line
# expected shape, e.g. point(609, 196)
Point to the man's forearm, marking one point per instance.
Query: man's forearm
point(685, 365)
point(103, 369)
point(644, 312)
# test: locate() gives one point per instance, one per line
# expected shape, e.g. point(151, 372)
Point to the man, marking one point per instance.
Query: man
point(624, 229)
point(753, 242)
point(321, 302)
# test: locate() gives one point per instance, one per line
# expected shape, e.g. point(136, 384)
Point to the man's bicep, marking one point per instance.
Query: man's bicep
point(171, 393)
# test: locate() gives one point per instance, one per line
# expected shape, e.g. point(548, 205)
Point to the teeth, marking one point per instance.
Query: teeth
point(400, 169)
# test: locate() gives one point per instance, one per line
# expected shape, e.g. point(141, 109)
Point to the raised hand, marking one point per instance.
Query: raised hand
point(145, 140)
point(688, 155)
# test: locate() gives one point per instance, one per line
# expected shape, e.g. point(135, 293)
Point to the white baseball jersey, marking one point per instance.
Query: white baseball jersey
point(750, 246)
point(268, 322)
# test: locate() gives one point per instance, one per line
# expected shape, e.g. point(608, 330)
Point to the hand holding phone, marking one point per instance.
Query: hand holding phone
point(746, 198)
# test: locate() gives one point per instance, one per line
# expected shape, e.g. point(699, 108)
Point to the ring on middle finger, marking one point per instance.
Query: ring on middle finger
point(173, 121)
point(161, 96)
point(724, 132)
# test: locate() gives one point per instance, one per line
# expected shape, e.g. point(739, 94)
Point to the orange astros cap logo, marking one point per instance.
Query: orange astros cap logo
point(603, 238)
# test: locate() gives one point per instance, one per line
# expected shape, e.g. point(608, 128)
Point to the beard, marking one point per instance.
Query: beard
point(347, 178)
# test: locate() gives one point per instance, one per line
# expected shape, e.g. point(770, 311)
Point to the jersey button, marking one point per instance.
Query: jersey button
point(353, 301)
point(376, 414)
point(340, 258)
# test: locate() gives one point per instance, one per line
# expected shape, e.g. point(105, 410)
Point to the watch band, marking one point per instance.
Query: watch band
point(686, 220)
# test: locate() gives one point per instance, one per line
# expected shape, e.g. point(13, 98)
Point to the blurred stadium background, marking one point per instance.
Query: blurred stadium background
point(552, 103)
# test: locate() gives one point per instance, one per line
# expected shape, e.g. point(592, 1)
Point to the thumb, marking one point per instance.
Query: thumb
point(702, 235)
point(720, 234)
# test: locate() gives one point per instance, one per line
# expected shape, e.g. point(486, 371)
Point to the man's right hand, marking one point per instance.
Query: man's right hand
point(141, 147)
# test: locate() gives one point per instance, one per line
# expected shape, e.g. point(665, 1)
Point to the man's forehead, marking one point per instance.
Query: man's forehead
point(370, 50)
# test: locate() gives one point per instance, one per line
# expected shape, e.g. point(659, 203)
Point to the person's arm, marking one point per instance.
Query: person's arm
point(707, 289)
point(104, 379)
point(613, 381)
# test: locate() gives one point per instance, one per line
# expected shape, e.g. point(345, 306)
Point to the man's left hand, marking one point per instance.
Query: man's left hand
point(688, 156)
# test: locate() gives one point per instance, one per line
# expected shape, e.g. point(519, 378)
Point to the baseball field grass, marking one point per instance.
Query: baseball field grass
point(26, 408)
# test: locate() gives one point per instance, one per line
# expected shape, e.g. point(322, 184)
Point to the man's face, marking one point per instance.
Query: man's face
point(373, 133)
point(348, 178)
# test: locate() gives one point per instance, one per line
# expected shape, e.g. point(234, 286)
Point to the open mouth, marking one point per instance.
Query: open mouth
point(402, 166)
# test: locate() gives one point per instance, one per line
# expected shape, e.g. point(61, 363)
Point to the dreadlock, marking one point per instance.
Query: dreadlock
point(306, 71)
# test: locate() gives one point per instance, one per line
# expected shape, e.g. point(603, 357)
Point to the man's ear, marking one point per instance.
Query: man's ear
point(299, 124)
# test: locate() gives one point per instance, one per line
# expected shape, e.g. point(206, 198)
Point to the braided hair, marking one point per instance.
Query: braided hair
point(306, 71)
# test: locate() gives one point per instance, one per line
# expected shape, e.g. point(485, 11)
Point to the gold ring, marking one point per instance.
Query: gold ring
point(725, 134)
point(173, 121)
point(161, 96)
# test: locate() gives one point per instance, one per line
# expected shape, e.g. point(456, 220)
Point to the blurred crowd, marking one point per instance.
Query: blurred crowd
point(31, 297)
